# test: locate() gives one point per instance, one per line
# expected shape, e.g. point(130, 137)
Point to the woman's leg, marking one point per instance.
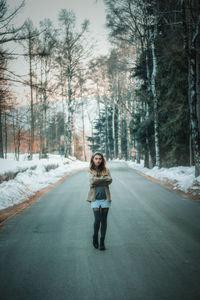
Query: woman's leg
point(97, 219)
point(104, 213)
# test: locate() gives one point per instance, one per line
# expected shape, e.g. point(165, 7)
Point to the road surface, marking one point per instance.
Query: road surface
point(152, 241)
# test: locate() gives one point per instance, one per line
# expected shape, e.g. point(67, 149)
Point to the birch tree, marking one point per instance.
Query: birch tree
point(45, 54)
point(72, 53)
point(30, 52)
point(8, 33)
point(82, 89)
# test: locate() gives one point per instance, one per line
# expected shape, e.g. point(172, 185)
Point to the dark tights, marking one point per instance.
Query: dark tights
point(100, 216)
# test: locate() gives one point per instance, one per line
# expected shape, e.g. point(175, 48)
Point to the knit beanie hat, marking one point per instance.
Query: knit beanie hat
point(97, 152)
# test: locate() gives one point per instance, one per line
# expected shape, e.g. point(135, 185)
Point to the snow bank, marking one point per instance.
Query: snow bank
point(30, 179)
point(33, 176)
point(11, 166)
point(182, 178)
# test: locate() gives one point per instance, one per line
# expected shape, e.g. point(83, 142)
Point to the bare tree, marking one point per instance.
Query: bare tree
point(8, 33)
point(30, 47)
point(82, 89)
point(45, 54)
point(72, 53)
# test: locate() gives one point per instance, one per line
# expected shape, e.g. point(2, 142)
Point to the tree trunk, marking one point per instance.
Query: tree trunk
point(135, 107)
point(99, 113)
point(64, 125)
point(107, 152)
point(69, 127)
point(41, 112)
point(128, 138)
point(18, 142)
point(83, 136)
point(6, 135)
point(155, 99)
point(193, 116)
point(1, 135)
point(146, 144)
point(191, 21)
point(71, 133)
point(113, 131)
point(14, 136)
point(150, 158)
point(119, 134)
point(31, 90)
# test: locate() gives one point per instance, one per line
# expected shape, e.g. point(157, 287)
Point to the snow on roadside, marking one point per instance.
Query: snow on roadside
point(27, 182)
point(30, 181)
point(182, 178)
point(11, 165)
point(7, 166)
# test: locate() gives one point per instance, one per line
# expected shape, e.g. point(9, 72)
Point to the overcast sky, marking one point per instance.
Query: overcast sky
point(94, 10)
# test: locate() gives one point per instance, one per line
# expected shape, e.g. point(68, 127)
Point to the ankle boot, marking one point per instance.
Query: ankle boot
point(102, 246)
point(95, 241)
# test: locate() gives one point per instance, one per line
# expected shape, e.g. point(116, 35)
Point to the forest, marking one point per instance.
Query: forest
point(147, 89)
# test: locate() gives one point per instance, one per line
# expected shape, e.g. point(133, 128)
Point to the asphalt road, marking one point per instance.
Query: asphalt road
point(152, 241)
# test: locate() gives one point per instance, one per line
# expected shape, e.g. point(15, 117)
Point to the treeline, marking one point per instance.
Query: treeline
point(147, 89)
point(55, 59)
point(153, 98)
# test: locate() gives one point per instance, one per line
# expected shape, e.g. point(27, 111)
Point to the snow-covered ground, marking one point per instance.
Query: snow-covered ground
point(182, 178)
point(33, 176)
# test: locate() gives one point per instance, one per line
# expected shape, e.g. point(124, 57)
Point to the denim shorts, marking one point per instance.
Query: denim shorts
point(103, 203)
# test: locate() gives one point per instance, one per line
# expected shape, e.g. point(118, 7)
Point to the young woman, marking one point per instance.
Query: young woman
point(99, 195)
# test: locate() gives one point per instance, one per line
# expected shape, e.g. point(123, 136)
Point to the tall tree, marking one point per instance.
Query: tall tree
point(72, 52)
point(30, 47)
point(8, 33)
point(191, 23)
point(45, 50)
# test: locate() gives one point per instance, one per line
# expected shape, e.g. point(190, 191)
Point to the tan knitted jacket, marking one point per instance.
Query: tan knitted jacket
point(102, 180)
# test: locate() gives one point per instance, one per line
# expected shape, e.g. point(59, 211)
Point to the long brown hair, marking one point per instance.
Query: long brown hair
point(102, 166)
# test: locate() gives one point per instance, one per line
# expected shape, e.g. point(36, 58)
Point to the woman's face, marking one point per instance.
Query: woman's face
point(97, 160)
